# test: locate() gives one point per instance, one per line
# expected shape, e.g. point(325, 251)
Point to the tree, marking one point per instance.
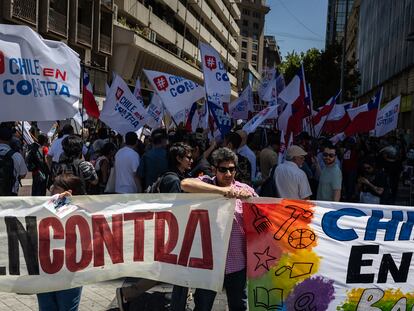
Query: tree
point(323, 72)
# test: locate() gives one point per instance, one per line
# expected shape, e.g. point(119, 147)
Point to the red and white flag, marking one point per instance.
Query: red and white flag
point(338, 119)
point(283, 147)
point(88, 99)
point(319, 119)
point(291, 119)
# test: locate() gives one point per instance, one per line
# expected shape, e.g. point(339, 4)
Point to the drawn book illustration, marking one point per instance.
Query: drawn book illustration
point(270, 299)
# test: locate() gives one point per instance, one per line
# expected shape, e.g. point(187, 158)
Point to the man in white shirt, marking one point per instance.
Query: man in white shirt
point(19, 166)
point(56, 150)
point(291, 181)
point(126, 166)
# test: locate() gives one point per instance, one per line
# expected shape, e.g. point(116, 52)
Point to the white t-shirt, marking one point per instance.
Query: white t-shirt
point(245, 151)
point(291, 181)
point(126, 165)
point(56, 149)
point(20, 167)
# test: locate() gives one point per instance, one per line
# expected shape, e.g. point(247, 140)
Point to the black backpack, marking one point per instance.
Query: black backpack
point(268, 188)
point(7, 178)
point(155, 187)
point(69, 167)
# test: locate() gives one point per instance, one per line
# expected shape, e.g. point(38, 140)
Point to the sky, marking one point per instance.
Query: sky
point(297, 24)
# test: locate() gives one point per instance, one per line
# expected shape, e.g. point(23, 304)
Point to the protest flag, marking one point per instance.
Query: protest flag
point(296, 110)
point(337, 120)
point(239, 108)
point(88, 100)
point(387, 118)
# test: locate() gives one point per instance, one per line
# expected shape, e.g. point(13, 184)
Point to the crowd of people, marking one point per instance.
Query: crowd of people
point(359, 169)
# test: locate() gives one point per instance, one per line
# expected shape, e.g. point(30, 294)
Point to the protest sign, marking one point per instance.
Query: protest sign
point(259, 118)
point(304, 255)
point(176, 93)
point(216, 80)
point(39, 78)
point(387, 118)
point(240, 107)
point(122, 111)
point(175, 238)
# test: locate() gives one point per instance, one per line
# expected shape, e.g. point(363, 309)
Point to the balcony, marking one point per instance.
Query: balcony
point(58, 22)
point(84, 34)
point(20, 11)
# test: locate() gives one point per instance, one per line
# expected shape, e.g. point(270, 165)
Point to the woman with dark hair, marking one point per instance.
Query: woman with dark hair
point(68, 299)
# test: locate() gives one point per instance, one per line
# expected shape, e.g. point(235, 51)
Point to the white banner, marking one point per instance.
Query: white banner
point(177, 93)
point(216, 80)
point(239, 108)
point(155, 112)
point(122, 111)
point(54, 246)
point(387, 118)
point(39, 79)
point(269, 112)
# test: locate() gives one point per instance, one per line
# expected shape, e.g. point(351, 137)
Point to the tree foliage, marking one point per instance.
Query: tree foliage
point(323, 72)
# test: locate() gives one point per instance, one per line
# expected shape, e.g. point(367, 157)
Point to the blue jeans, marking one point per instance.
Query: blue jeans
point(61, 300)
point(235, 285)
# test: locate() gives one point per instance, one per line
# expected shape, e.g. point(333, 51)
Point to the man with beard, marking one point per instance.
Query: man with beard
point(330, 180)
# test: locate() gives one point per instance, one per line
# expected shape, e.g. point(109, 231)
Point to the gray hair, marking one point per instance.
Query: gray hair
point(223, 155)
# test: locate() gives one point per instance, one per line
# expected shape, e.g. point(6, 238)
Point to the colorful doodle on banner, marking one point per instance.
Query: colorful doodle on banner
point(317, 256)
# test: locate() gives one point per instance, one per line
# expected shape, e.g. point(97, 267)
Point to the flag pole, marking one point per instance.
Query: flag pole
point(83, 98)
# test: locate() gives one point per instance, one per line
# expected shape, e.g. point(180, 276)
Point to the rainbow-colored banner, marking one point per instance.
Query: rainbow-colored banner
point(316, 256)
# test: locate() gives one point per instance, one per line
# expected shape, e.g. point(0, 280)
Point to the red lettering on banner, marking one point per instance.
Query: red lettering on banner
point(162, 250)
point(48, 264)
point(62, 75)
point(197, 217)
point(112, 240)
point(70, 243)
point(139, 232)
point(48, 72)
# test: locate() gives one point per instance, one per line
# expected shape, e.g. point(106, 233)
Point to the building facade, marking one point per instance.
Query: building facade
point(335, 26)
point(251, 40)
point(271, 52)
point(385, 53)
point(163, 35)
point(85, 25)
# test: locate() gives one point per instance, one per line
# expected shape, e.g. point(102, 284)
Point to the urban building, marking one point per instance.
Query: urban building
point(335, 27)
point(251, 40)
point(163, 35)
point(352, 33)
point(271, 52)
point(85, 25)
point(385, 52)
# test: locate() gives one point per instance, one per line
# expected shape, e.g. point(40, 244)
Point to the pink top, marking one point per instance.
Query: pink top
point(236, 255)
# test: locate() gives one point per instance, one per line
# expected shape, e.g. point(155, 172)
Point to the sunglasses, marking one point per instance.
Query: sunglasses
point(224, 170)
point(331, 155)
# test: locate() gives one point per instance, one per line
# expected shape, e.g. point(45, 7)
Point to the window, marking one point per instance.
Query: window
point(257, 15)
point(246, 12)
point(255, 25)
point(255, 46)
point(254, 57)
point(255, 36)
point(246, 23)
point(244, 44)
point(243, 55)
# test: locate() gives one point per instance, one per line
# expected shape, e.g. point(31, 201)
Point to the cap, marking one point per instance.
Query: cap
point(295, 151)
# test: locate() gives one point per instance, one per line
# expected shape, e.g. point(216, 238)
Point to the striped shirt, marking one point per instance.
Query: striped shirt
point(236, 254)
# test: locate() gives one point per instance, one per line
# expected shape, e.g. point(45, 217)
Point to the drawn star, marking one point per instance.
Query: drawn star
point(263, 259)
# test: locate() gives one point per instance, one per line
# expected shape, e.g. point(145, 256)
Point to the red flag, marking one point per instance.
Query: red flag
point(88, 99)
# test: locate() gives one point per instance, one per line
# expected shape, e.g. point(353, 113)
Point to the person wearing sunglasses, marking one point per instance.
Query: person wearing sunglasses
point(224, 165)
point(330, 180)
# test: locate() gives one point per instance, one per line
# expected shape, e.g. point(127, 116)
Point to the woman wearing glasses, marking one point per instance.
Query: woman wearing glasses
point(224, 162)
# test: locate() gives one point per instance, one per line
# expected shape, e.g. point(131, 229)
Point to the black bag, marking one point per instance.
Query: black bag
point(7, 178)
point(155, 187)
point(268, 188)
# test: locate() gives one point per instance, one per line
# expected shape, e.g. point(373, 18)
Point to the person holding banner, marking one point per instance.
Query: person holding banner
point(224, 163)
point(69, 299)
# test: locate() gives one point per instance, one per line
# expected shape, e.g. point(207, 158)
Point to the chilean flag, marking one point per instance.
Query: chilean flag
point(338, 119)
point(363, 117)
point(88, 99)
point(290, 120)
point(319, 119)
